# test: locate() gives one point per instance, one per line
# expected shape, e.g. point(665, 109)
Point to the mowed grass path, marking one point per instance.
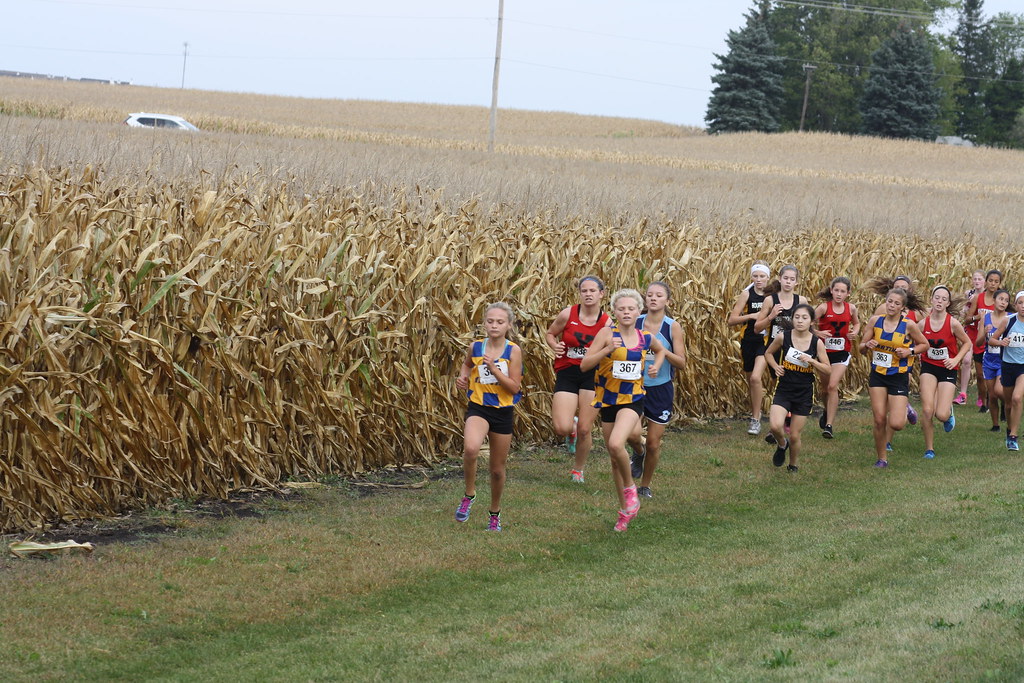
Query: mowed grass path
point(734, 571)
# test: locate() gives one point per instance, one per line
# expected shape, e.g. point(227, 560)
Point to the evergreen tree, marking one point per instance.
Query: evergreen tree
point(1004, 101)
point(973, 46)
point(748, 86)
point(900, 97)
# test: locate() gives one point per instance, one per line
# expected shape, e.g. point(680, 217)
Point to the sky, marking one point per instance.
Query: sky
point(650, 59)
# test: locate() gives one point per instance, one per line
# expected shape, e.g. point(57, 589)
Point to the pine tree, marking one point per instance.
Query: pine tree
point(973, 46)
point(748, 86)
point(1004, 101)
point(900, 97)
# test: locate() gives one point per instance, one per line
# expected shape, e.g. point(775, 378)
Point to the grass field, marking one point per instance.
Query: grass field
point(735, 571)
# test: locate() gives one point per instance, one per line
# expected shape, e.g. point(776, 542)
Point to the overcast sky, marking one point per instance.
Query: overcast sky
point(638, 58)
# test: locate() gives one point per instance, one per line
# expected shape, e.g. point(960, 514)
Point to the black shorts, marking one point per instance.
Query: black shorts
point(796, 399)
point(658, 403)
point(1010, 373)
point(897, 385)
point(608, 413)
point(942, 374)
point(838, 357)
point(573, 380)
point(499, 420)
point(979, 357)
point(750, 349)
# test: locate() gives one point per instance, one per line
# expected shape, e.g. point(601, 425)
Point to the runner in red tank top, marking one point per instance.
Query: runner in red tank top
point(948, 345)
point(838, 323)
point(569, 336)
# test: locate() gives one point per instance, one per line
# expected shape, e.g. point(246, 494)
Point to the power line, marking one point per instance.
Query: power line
point(278, 13)
point(878, 11)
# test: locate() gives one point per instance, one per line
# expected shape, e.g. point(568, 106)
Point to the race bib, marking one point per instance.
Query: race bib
point(994, 350)
point(835, 343)
point(941, 353)
point(485, 376)
point(881, 359)
point(627, 369)
point(575, 352)
point(793, 356)
point(1016, 340)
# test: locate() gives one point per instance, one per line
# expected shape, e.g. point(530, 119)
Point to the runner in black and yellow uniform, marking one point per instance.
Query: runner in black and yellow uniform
point(745, 311)
point(891, 340)
point(802, 353)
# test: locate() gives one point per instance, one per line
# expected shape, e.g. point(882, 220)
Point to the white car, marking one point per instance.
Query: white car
point(145, 120)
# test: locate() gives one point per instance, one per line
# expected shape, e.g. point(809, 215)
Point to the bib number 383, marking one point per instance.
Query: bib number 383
point(627, 369)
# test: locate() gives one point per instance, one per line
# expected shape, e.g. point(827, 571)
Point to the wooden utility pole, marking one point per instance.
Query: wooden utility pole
point(808, 69)
point(494, 86)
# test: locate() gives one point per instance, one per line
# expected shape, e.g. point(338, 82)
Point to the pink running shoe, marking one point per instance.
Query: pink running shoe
point(577, 477)
point(632, 500)
point(980, 403)
point(624, 519)
point(960, 399)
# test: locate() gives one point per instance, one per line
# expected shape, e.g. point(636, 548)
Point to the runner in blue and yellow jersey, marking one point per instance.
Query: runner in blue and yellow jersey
point(491, 376)
point(891, 340)
point(745, 311)
point(619, 353)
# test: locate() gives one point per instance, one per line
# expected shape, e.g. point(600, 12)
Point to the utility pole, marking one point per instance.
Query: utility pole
point(184, 59)
point(494, 86)
point(808, 69)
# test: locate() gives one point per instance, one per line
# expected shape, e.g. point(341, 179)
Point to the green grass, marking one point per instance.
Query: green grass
point(734, 571)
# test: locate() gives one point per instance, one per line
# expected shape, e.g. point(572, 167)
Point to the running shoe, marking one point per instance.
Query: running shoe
point(636, 463)
point(980, 403)
point(779, 457)
point(911, 414)
point(644, 492)
point(994, 428)
point(960, 399)
point(827, 431)
point(888, 447)
point(983, 408)
point(577, 477)
point(495, 523)
point(624, 519)
point(1011, 444)
point(770, 438)
point(929, 454)
point(632, 499)
point(754, 428)
point(822, 421)
point(881, 463)
point(792, 468)
point(462, 513)
point(951, 422)
point(570, 441)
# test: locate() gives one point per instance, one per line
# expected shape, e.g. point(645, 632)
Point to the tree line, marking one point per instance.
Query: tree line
point(889, 69)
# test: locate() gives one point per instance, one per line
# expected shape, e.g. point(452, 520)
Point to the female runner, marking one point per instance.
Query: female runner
point(977, 284)
point(983, 302)
point(569, 335)
point(659, 392)
point(620, 353)
point(1010, 336)
point(992, 362)
point(491, 375)
point(752, 344)
point(882, 287)
point(838, 324)
point(891, 339)
point(948, 344)
point(802, 353)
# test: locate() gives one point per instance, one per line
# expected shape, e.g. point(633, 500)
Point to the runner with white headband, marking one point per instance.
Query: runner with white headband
point(745, 311)
point(1010, 335)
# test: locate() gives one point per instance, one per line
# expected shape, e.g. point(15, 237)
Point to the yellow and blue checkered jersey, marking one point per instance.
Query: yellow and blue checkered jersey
point(619, 379)
point(484, 388)
point(884, 360)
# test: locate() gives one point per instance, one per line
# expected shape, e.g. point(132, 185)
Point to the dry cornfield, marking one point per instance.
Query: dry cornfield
point(171, 340)
point(181, 316)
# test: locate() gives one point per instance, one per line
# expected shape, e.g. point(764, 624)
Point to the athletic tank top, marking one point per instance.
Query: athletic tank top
point(577, 338)
point(991, 352)
point(664, 335)
point(755, 302)
point(838, 324)
point(786, 316)
point(884, 360)
point(484, 388)
point(941, 342)
point(1014, 353)
point(799, 374)
point(983, 308)
point(619, 379)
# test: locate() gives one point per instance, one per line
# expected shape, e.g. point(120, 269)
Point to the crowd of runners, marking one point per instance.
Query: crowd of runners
point(619, 368)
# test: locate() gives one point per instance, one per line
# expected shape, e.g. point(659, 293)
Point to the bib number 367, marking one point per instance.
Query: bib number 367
point(627, 369)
